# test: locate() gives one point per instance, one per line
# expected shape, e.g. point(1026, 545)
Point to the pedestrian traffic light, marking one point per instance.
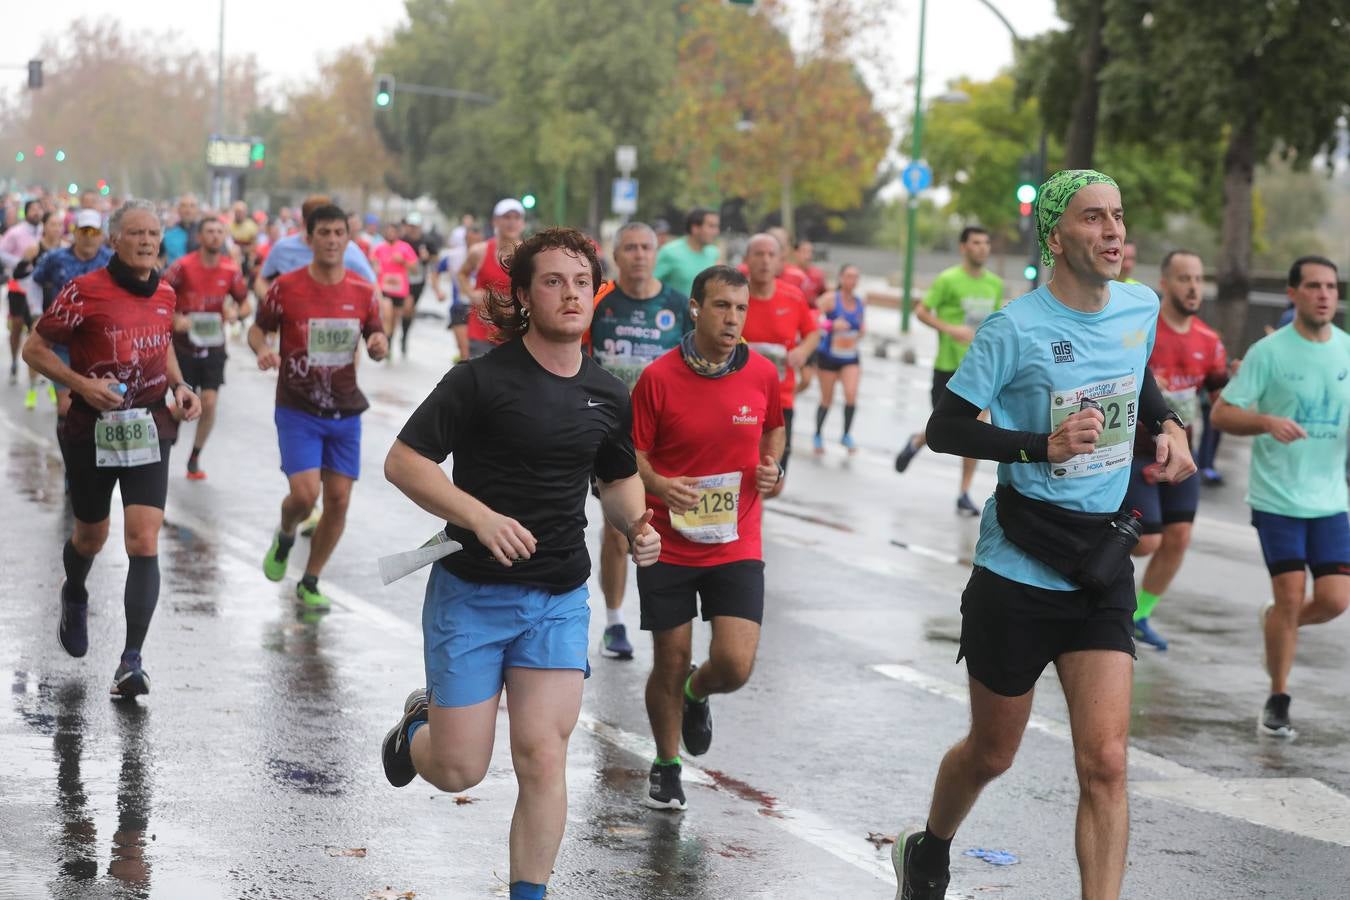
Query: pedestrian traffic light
point(528, 201)
point(39, 151)
point(257, 156)
point(60, 155)
point(35, 73)
point(1031, 271)
point(72, 188)
point(384, 91)
point(1026, 193)
point(19, 157)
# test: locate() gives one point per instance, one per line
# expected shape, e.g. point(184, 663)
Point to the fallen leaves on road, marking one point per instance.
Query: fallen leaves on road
point(879, 840)
point(390, 894)
point(358, 852)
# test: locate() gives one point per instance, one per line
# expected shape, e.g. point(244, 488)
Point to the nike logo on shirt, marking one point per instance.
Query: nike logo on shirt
point(594, 403)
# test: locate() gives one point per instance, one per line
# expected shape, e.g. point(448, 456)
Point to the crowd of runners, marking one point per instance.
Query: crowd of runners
point(663, 377)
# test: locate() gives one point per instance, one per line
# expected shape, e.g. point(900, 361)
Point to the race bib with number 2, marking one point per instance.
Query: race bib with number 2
point(332, 342)
point(1119, 401)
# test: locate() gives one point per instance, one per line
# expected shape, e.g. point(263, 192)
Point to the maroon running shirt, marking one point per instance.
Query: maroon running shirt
point(203, 290)
point(320, 325)
point(112, 332)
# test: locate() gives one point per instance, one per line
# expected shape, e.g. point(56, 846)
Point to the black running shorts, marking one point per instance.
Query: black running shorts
point(18, 307)
point(670, 594)
point(1011, 631)
point(203, 373)
point(940, 380)
point(91, 487)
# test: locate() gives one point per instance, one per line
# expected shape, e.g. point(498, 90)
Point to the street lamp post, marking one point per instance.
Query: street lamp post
point(915, 150)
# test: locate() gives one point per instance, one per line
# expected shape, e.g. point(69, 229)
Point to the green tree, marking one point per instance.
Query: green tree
point(1062, 69)
point(1258, 76)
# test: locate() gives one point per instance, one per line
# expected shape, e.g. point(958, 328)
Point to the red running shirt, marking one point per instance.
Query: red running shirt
point(691, 425)
point(203, 290)
point(490, 276)
point(1183, 364)
point(112, 332)
point(776, 325)
point(320, 327)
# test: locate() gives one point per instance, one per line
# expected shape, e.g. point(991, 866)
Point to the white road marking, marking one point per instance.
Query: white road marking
point(1302, 806)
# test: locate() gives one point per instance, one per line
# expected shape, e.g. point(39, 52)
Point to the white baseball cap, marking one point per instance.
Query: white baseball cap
point(509, 205)
point(89, 218)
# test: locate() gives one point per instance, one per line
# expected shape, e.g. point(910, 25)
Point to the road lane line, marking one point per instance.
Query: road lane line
point(1302, 806)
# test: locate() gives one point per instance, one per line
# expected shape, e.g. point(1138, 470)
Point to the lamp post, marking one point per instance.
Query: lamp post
point(915, 150)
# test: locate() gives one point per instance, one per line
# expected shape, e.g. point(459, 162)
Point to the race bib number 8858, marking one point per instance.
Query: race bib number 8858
point(1119, 400)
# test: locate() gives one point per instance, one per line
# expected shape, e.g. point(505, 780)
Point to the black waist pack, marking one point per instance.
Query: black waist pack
point(1089, 549)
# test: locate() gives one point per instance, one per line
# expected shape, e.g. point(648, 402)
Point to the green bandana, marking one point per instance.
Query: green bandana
point(1053, 198)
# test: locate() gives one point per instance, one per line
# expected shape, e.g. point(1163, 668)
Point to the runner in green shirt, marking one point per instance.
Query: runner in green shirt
point(637, 319)
point(1293, 393)
point(957, 302)
point(680, 261)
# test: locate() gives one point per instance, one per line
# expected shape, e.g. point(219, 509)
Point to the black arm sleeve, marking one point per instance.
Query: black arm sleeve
point(1153, 409)
point(955, 428)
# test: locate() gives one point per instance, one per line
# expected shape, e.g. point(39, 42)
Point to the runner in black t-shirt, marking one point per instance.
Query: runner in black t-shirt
point(527, 423)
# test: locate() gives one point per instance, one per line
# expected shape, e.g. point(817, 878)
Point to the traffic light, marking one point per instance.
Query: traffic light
point(257, 155)
point(35, 73)
point(528, 201)
point(72, 189)
point(103, 188)
point(19, 157)
point(60, 155)
point(39, 151)
point(384, 91)
point(1030, 272)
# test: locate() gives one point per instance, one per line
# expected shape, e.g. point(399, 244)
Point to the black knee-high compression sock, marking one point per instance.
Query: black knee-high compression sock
point(142, 594)
point(77, 570)
point(848, 418)
point(821, 413)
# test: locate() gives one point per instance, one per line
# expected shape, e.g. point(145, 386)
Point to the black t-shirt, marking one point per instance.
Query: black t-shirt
point(525, 442)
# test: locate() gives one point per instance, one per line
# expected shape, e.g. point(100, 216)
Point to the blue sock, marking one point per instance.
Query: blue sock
point(525, 890)
point(412, 729)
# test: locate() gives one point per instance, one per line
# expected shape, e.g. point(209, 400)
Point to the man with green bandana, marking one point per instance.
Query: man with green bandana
point(1063, 371)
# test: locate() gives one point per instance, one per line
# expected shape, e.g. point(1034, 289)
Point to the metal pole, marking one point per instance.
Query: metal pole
point(915, 151)
point(217, 191)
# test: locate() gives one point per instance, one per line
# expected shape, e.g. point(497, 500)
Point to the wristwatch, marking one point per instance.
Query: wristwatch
point(781, 471)
point(1170, 417)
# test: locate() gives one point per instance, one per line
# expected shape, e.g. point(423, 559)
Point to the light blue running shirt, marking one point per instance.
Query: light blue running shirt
point(1030, 365)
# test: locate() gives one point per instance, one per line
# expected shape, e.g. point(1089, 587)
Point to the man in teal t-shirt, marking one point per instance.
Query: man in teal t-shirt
point(637, 319)
point(680, 261)
point(957, 302)
point(1293, 393)
point(1082, 337)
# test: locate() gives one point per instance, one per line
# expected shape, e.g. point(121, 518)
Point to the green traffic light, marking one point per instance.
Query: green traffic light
point(528, 201)
point(382, 98)
point(18, 157)
point(105, 190)
point(60, 156)
point(1026, 193)
point(72, 188)
point(1030, 273)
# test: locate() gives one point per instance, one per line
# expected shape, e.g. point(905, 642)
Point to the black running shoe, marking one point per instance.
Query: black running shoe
point(666, 791)
point(74, 628)
point(1275, 717)
point(696, 728)
point(616, 644)
point(910, 885)
point(397, 752)
point(130, 679)
point(906, 456)
point(966, 507)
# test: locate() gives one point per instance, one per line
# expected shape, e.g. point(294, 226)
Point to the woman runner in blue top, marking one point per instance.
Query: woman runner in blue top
point(839, 354)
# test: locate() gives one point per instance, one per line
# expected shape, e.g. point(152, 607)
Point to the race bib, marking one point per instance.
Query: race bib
point(1185, 403)
point(843, 343)
point(208, 329)
point(623, 366)
point(393, 284)
point(1120, 407)
point(332, 342)
point(776, 353)
point(977, 309)
point(712, 520)
point(125, 437)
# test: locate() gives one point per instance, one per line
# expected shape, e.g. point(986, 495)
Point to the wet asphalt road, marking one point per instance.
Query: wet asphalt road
point(252, 769)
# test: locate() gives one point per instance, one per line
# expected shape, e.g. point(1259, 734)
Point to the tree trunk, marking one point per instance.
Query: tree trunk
point(1233, 275)
point(1081, 141)
point(785, 204)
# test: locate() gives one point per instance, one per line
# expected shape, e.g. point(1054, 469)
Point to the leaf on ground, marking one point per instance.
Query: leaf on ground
point(346, 851)
point(390, 894)
point(877, 839)
point(465, 800)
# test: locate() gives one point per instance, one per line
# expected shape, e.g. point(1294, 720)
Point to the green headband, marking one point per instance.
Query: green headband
point(1053, 198)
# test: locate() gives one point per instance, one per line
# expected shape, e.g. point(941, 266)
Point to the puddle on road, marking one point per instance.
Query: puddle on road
point(36, 475)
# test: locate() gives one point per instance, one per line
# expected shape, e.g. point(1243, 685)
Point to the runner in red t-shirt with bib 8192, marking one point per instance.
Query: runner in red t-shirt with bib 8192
point(781, 324)
point(322, 311)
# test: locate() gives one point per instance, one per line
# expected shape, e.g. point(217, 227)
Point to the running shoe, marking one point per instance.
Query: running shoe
point(1211, 476)
point(30, 399)
point(666, 791)
point(910, 885)
point(130, 679)
point(849, 444)
point(1143, 631)
point(74, 628)
point(397, 749)
point(696, 727)
point(13, 371)
point(616, 644)
point(818, 445)
point(307, 527)
point(274, 567)
point(906, 456)
point(196, 475)
point(966, 507)
point(311, 598)
point(1274, 719)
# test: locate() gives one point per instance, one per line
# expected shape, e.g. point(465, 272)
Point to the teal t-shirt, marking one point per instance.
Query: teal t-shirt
point(628, 334)
point(678, 264)
point(958, 298)
point(1030, 365)
point(1285, 374)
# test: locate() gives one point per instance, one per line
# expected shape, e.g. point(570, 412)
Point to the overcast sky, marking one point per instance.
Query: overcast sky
point(287, 36)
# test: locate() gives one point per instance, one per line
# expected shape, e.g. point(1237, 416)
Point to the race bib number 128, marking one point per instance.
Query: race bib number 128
point(713, 519)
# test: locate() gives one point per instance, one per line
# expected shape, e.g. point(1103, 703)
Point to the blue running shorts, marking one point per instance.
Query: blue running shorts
point(473, 632)
point(1289, 544)
point(311, 442)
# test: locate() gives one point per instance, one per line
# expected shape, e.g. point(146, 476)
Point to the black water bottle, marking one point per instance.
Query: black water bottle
point(1102, 566)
